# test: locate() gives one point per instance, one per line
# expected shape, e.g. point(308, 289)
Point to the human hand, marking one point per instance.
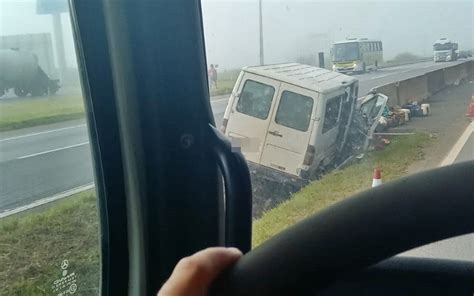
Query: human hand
point(193, 275)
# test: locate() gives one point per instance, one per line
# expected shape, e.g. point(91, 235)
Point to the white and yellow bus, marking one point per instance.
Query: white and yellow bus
point(356, 55)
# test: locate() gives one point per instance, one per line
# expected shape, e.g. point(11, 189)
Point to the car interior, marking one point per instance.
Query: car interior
point(135, 100)
point(169, 183)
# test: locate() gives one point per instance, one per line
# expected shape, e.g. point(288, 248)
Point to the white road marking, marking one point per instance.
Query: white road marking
point(42, 133)
point(52, 150)
point(454, 152)
point(46, 200)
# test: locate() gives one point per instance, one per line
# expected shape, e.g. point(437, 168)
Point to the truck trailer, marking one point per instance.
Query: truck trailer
point(20, 71)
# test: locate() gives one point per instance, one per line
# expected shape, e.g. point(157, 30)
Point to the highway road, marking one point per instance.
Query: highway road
point(39, 162)
point(461, 247)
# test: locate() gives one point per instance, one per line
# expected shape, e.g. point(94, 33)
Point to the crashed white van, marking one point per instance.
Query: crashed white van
point(291, 120)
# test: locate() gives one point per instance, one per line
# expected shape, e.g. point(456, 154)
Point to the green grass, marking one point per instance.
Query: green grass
point(34, 243)
point(33, 111)
point(27, 112)
point(337, 185)
point(225, 82)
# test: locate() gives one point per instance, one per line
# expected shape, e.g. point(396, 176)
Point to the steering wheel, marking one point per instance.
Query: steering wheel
point(357, 233)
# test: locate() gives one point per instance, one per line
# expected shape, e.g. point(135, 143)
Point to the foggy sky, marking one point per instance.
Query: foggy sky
point(293, 28)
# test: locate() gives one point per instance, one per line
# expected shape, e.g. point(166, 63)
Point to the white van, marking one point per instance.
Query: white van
point(291, 118)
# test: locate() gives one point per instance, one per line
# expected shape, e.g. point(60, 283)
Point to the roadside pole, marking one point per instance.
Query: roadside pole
point(59, 44)
point(260, 22)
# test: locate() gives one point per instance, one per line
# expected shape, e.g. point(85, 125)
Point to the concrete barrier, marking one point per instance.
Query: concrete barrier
point(470, 70)
point(413, 89)
point(391, 91)
point(455, 74)
point(435, 81)
point(420, 88)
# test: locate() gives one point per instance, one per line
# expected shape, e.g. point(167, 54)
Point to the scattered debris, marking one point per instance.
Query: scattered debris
point(415, 109)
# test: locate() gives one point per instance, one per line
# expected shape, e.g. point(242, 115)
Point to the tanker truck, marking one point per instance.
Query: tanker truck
point(20, 71)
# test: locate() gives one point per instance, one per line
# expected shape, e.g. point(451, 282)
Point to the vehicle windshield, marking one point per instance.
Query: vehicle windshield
point(445, 46)
point(271, 84)
point(317, 142)
point(346, 52)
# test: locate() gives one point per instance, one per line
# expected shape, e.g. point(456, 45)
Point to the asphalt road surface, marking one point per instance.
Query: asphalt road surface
point(460, 247)
point(39, 162)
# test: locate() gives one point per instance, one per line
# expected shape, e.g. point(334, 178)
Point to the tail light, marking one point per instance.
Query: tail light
point(309, 156)
point(224, 125)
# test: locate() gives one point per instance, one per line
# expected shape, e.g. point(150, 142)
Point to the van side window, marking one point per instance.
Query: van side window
point(255, 99)
point(331, 114)
point(294, 111)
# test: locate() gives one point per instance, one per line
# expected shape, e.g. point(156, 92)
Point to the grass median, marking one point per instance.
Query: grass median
point(33, 244)
point(337, 185)
point(32, 111)
point(225, 83)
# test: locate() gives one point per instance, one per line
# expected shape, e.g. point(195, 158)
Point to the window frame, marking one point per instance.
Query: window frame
point(139, 261)
point(240, 97)
point(338, 113)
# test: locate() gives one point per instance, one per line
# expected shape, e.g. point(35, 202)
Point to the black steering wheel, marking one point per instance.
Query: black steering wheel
point(357, 233)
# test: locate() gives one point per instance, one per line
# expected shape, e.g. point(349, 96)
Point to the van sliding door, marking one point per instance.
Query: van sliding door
point(290, 129)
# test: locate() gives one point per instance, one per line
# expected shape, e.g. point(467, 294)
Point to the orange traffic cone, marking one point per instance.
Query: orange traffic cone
point(470, 109)
point(377, 179)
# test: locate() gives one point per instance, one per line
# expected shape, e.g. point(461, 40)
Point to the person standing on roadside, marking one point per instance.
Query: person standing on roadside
point(212, 73)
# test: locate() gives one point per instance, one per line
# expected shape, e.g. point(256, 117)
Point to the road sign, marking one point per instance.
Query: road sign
point(51, 6)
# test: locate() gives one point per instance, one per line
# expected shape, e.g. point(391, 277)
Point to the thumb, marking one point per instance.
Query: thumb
point(193, 275)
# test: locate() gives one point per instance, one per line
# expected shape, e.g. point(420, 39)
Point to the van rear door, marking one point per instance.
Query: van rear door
point(250, 114)
point(290, 129)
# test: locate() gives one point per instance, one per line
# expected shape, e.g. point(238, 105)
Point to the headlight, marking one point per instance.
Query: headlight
point(334, 67)
point(448, 57)
point(354, 65)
